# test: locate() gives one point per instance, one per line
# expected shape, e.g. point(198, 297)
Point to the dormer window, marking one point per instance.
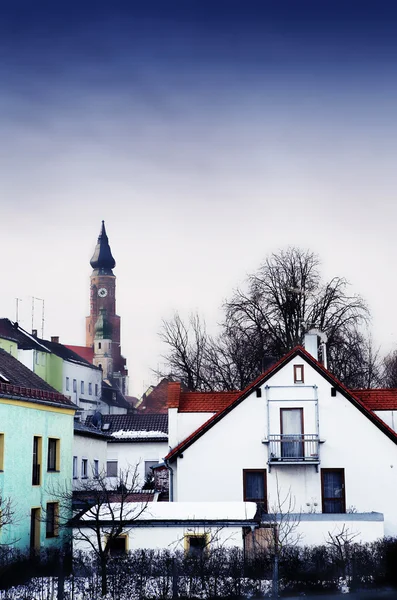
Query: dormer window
point(299, 376)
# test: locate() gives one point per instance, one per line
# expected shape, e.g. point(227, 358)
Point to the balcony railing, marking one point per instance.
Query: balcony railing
point(294, 448)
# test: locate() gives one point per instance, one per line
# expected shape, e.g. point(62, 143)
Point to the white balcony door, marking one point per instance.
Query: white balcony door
point(292, 433)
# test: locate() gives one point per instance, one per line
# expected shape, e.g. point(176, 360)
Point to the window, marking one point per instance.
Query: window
point(111, 468)
point(53, 455)
point(99, 345)
point(95, 469)
point(82, 387)
point(74, 385)
point(1, 451)
point(75, 467)
point(149, 474)
point(90, 389)
point(255, 485)
point(96, 389)
point(37, 448)
point(84, 468)
point(51, 526)
point(299, 376)
point(196, 544)
point(67, 384)
point(35, 515)
point(291, 425)
point(118, 545)
point(37, 357)
point(333, 490)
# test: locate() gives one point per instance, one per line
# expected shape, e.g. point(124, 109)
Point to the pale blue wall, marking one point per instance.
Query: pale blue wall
point(20, 422)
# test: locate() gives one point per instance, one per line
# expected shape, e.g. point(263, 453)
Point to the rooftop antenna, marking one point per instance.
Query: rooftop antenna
point(17, 301)
point(42, 314)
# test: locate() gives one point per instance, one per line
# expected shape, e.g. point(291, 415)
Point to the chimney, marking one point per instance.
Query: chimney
point(55, 338)
point(311, 344)
point(34, 332)
point(312, 338)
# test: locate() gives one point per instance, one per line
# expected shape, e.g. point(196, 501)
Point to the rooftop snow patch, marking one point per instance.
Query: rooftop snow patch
point(138, 434)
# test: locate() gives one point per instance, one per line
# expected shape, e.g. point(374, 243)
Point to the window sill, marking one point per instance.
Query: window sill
point(84, 477)
point(53, 471)
point(51, 536)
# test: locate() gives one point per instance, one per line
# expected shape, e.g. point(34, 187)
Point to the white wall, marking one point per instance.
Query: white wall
point(88, 375)
point(92, 449)
point(212, 468)
point(181, 425)
point(130, 454)
point(171, 538)
point(389, 417)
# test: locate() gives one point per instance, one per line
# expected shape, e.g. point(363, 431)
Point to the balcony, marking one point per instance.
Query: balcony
point(293, 449)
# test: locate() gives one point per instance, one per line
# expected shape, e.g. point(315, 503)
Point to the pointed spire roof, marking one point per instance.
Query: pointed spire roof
point(102, 258)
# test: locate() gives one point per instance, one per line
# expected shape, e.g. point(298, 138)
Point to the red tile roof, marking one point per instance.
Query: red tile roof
point(85, 352)
point(299, 350)
point(378, 398)
point(205, 401)
point(16, 380)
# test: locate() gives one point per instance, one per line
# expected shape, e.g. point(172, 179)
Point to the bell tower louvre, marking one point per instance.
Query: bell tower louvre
point(103, 306)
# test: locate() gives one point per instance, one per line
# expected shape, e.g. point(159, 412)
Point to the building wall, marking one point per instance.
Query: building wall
point(9, 346)
point(20, 421)
point(89, 448)
point(389, 417)
point(212, 468)
point(131, 454)
point(181, 425)
point(172, 538)
point(87, 403)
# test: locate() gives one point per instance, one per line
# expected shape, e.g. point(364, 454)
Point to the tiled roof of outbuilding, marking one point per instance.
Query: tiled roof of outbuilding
point(205, 401)
point(136, 422)
point(16, 380)
point(378, 398)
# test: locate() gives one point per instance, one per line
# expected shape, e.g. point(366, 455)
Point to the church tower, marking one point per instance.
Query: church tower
point(103, 324)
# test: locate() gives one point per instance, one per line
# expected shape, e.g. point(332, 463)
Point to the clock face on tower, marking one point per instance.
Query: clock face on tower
point(102, 292)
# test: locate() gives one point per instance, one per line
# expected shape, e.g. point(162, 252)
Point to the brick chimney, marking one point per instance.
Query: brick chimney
point(55, 338)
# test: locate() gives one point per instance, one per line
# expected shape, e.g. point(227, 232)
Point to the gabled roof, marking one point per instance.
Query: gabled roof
point(26, 341)
point(18, 381)
point(112, 396)
point(378, 398)
point(66, 353)
point(205, 401)
point(298, 351)
point(134, 427)
point(89, 431)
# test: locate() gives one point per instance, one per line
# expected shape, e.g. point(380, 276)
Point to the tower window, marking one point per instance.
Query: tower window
point(99, 345)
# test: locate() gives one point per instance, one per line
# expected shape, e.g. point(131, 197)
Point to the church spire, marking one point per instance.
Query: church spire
point(102, 258)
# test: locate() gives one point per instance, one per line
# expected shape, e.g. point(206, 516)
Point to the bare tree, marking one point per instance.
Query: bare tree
point(268, 317)
point(105, 511)
point(389, 374)
point(8, 518)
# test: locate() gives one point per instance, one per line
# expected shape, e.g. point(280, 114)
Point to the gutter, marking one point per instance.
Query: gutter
point(171, 472)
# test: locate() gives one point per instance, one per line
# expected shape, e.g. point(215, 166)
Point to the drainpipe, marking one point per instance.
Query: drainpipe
point(167, 465)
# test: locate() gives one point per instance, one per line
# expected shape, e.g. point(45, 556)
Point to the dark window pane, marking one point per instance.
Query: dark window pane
point(254, 486)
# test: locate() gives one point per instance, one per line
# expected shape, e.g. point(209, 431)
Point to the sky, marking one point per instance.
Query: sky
point(207, 135)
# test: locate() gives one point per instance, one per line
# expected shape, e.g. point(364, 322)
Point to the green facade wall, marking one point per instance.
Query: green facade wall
point(9, 346)
point(50, 368)
point(20, 422)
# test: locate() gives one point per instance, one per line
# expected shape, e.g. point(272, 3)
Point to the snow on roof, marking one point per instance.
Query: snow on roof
point(177, 511)
point(138, 434)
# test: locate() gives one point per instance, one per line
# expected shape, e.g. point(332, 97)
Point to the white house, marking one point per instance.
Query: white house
point(134, 440)
point(189, 526)
point(89, 453)
point(297, 437)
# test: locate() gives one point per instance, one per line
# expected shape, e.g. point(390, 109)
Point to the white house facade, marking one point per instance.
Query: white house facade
point(296, 437)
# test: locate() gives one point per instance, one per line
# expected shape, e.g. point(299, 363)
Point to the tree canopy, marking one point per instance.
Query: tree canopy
point(266, 318)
